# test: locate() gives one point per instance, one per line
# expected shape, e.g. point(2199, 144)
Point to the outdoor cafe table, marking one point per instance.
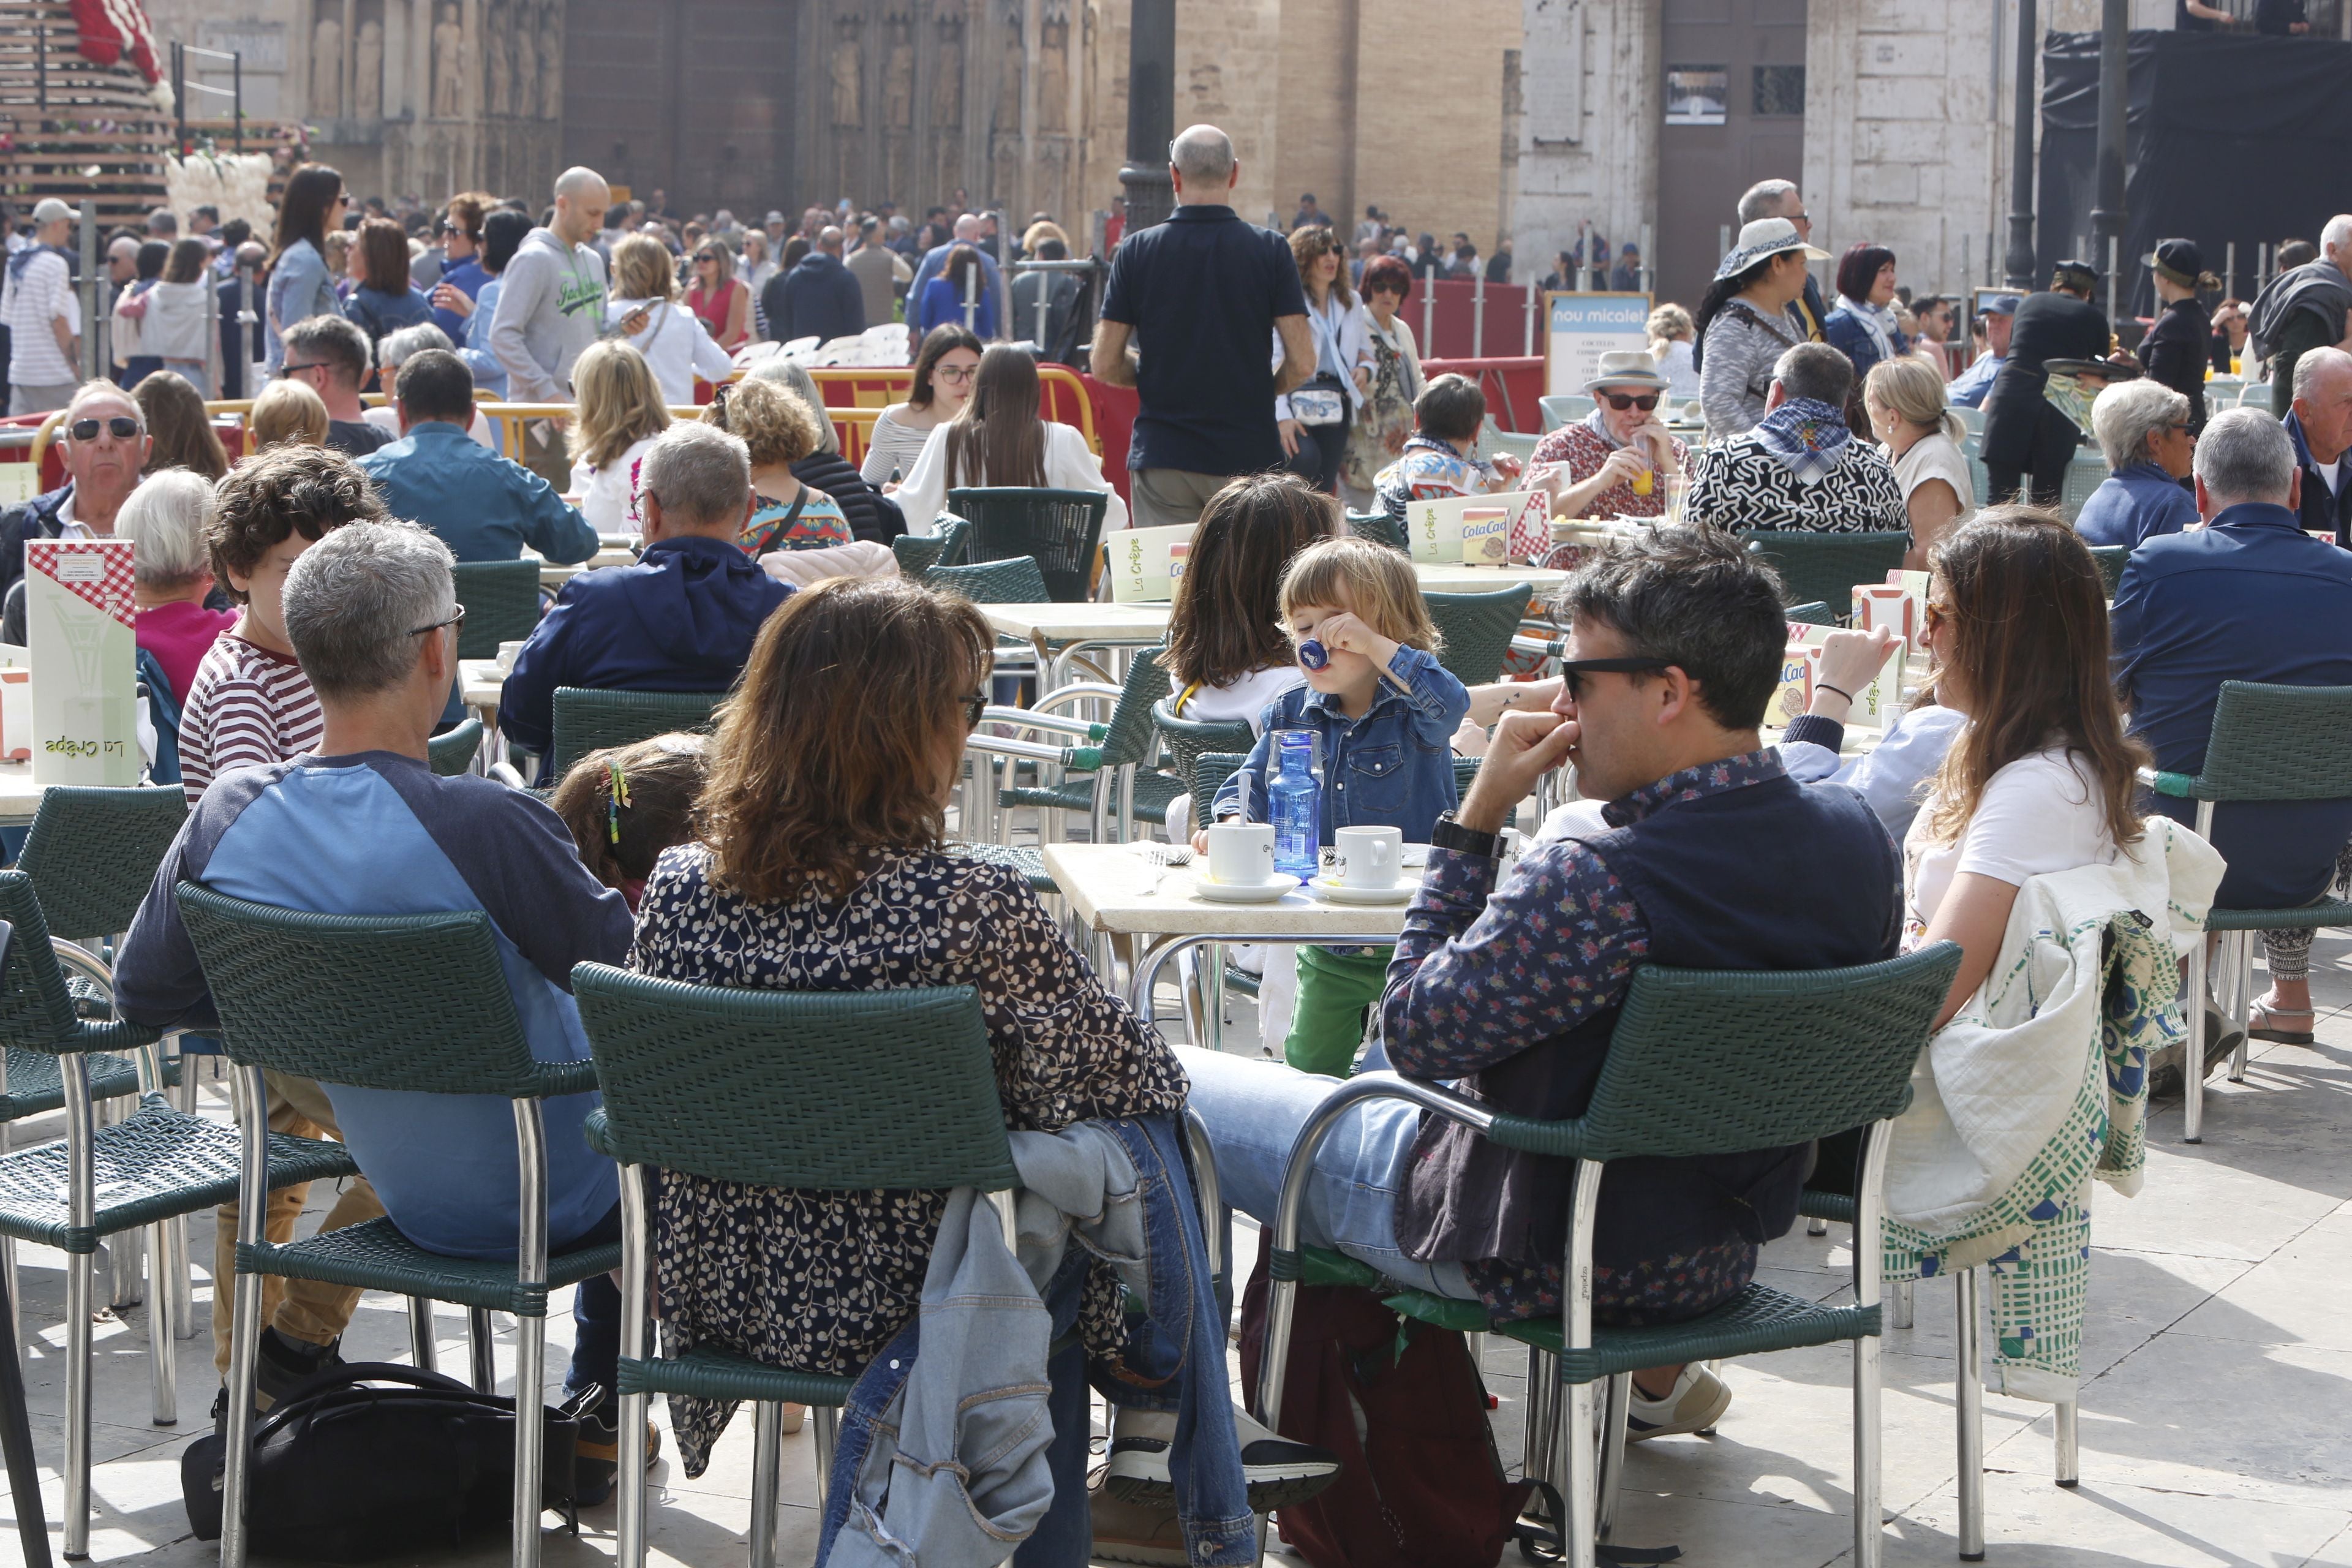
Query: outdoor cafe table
point(553, 577)
point(19, 795)
point(1059, 632)
point(1456, 579)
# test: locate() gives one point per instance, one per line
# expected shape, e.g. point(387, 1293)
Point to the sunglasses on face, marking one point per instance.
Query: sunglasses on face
point(1573, 670)
point(975, 708)
point(1622, 401)
point(121, 427)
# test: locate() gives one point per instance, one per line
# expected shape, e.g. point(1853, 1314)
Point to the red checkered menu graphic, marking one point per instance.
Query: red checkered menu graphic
point(97, 572)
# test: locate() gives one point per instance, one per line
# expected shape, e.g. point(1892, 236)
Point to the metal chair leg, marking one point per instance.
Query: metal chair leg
point(483, 1345)
point(1619, 1405)
point(2242, 963)
point(827, 1420)
point(245, 1324)
point(1900, 1307)
point(1535, 1434)
point(2192, 1061)
point(421, 1350)
point(629, 1527)
point(81, 1199)
point(183, 1282)
point(767, 1459)
point(24, 1470)
point(1817, 1226)
point(162, 1340)
point(1968, 1385)
point(1574, 1477)
point(2069, 1445)
point(530, 1330)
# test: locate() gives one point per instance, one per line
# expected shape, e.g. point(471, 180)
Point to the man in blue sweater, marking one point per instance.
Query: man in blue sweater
point(682, 620)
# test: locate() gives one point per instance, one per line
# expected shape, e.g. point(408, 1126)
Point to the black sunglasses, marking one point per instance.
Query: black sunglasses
point(1622, 401)
point(1572, 670)
point(123, 426)
point(975, 708)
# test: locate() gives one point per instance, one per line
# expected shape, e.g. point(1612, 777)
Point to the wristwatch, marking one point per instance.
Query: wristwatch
point(1449, 834)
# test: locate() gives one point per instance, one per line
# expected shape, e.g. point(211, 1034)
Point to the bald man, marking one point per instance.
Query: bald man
point(2305, 308)
point(551, 302)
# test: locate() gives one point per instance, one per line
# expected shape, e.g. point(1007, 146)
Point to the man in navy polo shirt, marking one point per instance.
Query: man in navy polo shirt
point(1202, 297)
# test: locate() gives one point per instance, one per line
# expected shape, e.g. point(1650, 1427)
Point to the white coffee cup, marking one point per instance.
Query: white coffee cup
point(507, 654)
point(1367, 857)
point(1241, 853)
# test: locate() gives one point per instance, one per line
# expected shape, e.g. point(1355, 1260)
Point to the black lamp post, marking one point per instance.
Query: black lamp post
point(1151, 112)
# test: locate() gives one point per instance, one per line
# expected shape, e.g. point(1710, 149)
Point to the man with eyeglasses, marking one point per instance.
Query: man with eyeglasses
point(332, 356)
point(820, 298)
point(1780, 198)
point(1707, 855)
point(104, 438)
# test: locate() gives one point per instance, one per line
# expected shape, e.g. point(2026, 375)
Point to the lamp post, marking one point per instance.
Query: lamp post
point(1150, 112)
point(2017, 264)
point(2107, 211)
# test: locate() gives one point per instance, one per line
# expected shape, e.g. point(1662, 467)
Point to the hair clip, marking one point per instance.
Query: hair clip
point(615, 801)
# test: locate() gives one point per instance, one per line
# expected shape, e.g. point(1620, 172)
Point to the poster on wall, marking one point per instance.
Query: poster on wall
point(1580, 327)
point(1697, 95)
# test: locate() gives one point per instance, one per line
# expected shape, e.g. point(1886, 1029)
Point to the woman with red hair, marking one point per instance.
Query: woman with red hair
point(1386, 417)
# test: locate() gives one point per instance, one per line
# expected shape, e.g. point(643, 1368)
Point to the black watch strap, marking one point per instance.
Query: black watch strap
point(1448, 833)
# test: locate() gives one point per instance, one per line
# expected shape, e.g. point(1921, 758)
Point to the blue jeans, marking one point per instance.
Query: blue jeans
point(1255, 1111)
point(596, 1316)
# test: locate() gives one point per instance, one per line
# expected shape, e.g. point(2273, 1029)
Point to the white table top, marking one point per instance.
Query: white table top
point(1484, 579)
point(19, 795)
point(554, 576)
point(1115, 888)
point(479, 681)
point(1083, 622)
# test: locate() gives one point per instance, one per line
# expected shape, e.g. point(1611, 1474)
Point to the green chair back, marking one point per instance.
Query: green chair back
point(1478, 628)
point(37, 1011)
point(918, 553)
point(1824, 567)
point(1494, 439)
point(1060, 530)
point(2274, 742)
point(453, 753)
point(1131, 727)
point(1207, 775)
point(1713, 1061)
point(1014, 582)
point(1563, 408)
point(2112, 559)
point(396, 1002)
point(2085, 472)
point(501, 600)
point(92, 854)
point(1380, 527)
point(589, 721)
point(795, 1088)
point(1190, 740)
point(1813, 615)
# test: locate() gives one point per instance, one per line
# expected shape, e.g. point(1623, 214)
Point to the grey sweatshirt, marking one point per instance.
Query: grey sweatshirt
point(551, 307)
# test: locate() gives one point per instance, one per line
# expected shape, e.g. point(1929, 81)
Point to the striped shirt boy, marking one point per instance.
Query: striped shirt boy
point(248, 707)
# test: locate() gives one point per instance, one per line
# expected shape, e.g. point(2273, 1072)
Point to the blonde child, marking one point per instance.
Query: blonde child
point(1386, 711)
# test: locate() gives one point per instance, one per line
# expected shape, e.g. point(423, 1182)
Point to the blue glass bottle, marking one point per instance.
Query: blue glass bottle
point(1294, 801)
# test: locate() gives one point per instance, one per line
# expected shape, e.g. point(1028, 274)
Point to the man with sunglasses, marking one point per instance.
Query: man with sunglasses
point(1711, 858)
point(105, 444)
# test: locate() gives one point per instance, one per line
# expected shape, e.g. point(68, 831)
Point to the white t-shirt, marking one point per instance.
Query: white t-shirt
point(605, 493)
point(31, 299)
point(2037, 816)
point(1243, 699)
point(2327, 471)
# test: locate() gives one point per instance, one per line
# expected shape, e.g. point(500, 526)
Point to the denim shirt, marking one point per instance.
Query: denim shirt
point(1392, 768)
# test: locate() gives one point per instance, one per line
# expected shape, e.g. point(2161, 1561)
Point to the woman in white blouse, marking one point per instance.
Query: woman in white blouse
point(1922, 436)
point(998, 439)
point(1313, 419)
point(621, 411)
point(645, 312)
point(943, 373)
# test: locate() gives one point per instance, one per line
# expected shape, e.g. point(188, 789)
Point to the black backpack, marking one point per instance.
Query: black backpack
point(347, 1471)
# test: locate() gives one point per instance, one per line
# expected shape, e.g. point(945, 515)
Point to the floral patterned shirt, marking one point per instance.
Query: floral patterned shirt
point(1483, 972)
point(821, 1280)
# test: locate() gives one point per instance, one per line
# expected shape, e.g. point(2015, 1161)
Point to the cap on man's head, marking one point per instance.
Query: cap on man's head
point(49, 210)
point(2074, 275)
point(2002, 304)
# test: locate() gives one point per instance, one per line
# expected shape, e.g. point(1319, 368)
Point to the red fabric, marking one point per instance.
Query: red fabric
point(1512, 385)
point(113, 31)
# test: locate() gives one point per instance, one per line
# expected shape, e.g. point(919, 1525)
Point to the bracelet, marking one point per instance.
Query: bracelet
point(1826, 685)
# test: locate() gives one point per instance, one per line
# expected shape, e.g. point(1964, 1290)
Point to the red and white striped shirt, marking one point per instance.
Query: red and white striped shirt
point(248, 707)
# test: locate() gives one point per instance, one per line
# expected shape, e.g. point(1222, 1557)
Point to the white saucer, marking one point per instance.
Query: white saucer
point(1394, 893)
point(1264, 892)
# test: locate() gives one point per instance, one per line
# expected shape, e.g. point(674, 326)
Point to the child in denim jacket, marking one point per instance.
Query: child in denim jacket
point(1386, 710)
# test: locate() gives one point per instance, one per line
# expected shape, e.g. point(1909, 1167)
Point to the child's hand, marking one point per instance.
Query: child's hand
point(1345, 632)
point(1200, 842)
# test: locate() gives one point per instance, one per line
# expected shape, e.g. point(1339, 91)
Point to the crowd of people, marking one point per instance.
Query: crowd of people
point(300, 604)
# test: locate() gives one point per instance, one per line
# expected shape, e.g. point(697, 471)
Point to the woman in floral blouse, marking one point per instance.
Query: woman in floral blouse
point(821, 867)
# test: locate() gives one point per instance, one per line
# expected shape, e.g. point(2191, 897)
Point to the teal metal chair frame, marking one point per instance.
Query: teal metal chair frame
point(501, 600)
point(1015, 580)
point(588, 720)
point(1380, 527)
point(453, 751)
point(917, 553)
point(1839, 1044)
point(300, 992)
point(1111, 792)
point(1061, 530)
point(2267, 744)
point(1824, 567)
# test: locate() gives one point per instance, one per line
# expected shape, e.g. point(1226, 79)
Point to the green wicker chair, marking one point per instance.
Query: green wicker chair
point(2112, 559)
point(155, 1165)
point(1014, 582)
point(818, 1087)
point(1478, 629)
point(501, 600)
point(1209, 772)
point(339, 998)
point(589, 721)
point(1380, 527)
point(919, 552)
point(1813, 615)
point(1826, 566)
point(2085, 472)
point(452, 752)
point(1060, 530)
point(1701, 1062)
point(2268, 744)
point(1116, 785)
point(1189, 740)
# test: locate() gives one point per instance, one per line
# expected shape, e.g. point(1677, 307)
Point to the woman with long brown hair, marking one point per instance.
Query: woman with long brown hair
point(1227, 654)
point(944, 369)
point(1313, 419)
point(997, 440)
point(180, 433)
point(301, 285)
point(2042, 777)
point(821, 865)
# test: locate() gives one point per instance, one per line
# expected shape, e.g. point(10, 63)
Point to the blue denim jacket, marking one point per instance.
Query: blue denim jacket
point(1175, 1358)
point(1392, 768)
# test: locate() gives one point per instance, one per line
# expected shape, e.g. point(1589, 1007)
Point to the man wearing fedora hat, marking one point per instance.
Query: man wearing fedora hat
point(43, 318)
point(1617, 459)
point(2180, 346)
point(2023, 434)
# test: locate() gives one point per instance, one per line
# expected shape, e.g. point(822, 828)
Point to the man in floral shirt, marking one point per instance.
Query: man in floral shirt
point(1715, 858)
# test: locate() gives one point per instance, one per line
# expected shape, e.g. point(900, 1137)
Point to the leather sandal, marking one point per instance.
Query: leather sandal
point(2281, 1033)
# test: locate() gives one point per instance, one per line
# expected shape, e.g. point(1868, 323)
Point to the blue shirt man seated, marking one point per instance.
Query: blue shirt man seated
point(682, 620)
point(2251, 596)
point(1968, 388)
point(484, 506)
point(2143, 431)
point(1713, 858)
point(364, 827)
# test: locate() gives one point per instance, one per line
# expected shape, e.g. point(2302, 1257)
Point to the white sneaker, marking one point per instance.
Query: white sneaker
point(1279, 1472)
point(1697, 1402)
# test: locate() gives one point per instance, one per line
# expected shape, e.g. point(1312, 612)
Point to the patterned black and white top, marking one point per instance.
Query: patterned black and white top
point(1738, 483)
point(820, 1281)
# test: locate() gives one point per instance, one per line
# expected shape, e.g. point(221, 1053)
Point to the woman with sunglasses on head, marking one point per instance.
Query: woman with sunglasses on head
point(723, 303)
point(1313, 419)
point(1615, 462)
point(644, 313)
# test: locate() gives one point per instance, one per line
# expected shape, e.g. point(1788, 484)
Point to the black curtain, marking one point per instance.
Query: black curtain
point(2227, 137)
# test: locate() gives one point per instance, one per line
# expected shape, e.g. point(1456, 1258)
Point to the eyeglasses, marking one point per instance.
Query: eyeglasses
point(1572, 670)
point(457, 620)
point(975, 709)
point(121, 427)
point(1622, 401)
point(955, 372)
point(297, 369)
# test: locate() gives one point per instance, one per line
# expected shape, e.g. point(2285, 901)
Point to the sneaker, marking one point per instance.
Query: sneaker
point(1697, 1403)
point(285, 1364)
point(1279, 1472)
point(1128, 1531)
point(596, 1457)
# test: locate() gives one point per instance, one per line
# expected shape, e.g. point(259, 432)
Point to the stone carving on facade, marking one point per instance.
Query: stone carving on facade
point(848, 76)
point(326, 67)
point(1008, 81)
point(947, 107)
point(549, 28)
point(448, 65)
point(1054, 73)
point(367, 72)
point(898, 76)
point(498, 71)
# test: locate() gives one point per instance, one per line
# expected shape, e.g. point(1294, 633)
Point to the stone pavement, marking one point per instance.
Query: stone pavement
point(2218, 1374)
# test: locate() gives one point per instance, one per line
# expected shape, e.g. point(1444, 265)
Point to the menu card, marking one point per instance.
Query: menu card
point(78, 612)
point(1147, 562)
point(1873, 702)
point(1434, 529)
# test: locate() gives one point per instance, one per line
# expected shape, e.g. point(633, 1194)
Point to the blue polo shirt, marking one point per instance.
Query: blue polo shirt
point(2249, 597)
point(1201, 292)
